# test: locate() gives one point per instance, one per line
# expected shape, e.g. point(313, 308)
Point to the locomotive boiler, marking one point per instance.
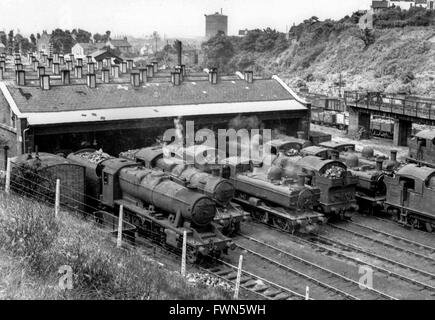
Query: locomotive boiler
point(207, 179)
point(283, 203)
point(160, 208)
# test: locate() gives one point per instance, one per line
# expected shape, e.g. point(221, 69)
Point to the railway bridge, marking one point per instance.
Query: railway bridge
point(405, 110)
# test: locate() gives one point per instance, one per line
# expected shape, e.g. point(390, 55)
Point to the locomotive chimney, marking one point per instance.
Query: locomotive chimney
point(179, 46)
point(41, 71)
point(78, 72)
point(212, 76)
point(393, 155)
point(115, 71)
point(176, 78)
point(150, 70)
point(91, 67)
point(129, 64)
point(56, 68)
point(105, 75)
point(143, 75)
point(155, 66)
point(379, 162)
point(135, 79)
point(124, 67)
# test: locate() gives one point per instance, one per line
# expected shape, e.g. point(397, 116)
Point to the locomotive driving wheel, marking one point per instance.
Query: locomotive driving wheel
point(283, 224)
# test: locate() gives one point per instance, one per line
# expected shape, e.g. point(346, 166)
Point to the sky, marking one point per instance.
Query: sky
point(173, 18)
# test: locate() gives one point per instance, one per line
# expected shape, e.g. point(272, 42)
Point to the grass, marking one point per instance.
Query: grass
point(34, 245)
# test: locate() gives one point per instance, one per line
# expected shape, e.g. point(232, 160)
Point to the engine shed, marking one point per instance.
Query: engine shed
point(74, 110)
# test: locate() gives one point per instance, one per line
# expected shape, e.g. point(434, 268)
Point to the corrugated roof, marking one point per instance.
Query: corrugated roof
point(108, 96)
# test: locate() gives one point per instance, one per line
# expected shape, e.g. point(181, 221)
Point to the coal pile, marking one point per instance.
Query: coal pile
point(335, 172)
point(129, 154)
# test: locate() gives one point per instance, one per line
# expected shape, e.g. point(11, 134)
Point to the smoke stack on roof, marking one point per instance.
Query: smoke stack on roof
point(44, 82)
point(65, 76)
point(249, 76)
point(143, 75)
point(135, 79)
point(56, 68)
point(41, 71)
point(213, 75)
point(150, 70)
point(176, 78)
point(78, 72)
point(124, 67)
point(91, 80)
point(155, 66)
point(21, 77)
point(115, 71)
point(91, 67)
point(105, 75)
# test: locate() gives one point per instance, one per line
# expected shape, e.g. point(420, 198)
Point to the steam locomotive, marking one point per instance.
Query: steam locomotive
point(207, 181)
point(158, 207)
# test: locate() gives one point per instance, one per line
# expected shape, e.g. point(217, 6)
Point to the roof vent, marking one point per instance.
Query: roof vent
point(213, 75)
point(176, 78)
point(21, 77)
point(249, 76)
point(78, 72)
point(143, 75)
point(150, 70)
point(66, 78)
point(124, 67)
point(115, 71)
point(44, 82)
point(130, 64)
point(105, 75)
point(56, 68)
point(69, 64)
point(135, 79)
point(41, 71)
point(91, 67)
point(91, 80)
point(35, 65)
point(155, 66)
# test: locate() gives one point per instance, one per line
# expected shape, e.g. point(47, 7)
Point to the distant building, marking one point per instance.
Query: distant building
point(85, 49)
point(215, 23)
point(378, 6)
point(119, 44)
point(43, 43)
point(243, 33)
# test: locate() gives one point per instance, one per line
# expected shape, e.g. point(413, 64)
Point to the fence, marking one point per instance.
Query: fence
point(411, 106)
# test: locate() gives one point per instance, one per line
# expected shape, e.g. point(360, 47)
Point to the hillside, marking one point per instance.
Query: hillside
point(390, 58)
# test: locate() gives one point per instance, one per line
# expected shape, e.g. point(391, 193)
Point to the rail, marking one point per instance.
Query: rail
point(411, 106)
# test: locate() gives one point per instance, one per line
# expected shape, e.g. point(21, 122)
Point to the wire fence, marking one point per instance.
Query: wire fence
point(43, 189)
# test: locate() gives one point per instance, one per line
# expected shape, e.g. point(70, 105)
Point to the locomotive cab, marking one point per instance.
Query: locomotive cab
point(422, 147)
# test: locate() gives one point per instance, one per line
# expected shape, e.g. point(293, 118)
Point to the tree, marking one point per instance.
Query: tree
point(62, 41)
point(218, 51)
point(98, 38)
point(367, 36)
point(82, 36)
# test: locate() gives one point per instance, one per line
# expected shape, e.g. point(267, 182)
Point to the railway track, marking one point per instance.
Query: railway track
point(253, 283)
point(412, 251)
point(321, 276)
point(332, 251)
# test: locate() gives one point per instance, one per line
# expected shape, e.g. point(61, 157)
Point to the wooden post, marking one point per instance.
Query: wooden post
point(57, 199)
point(307, 293)
point(183, 254)
point(239, 274)
point(8, 176)
point(120, 218)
